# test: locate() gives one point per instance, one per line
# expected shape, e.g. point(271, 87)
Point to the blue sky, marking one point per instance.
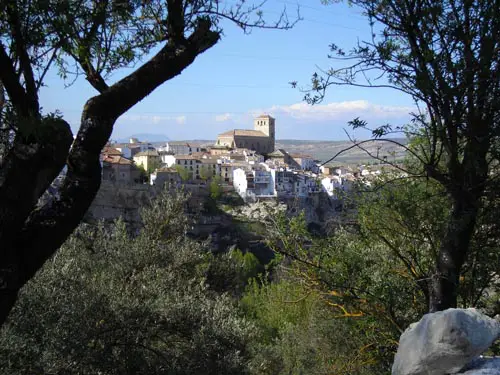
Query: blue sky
point(246, 75)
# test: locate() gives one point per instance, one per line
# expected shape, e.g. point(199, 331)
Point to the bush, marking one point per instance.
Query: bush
point(110, 303)
point(299, 334)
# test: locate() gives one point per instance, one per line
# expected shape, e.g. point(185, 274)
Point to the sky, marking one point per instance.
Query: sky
point(244, 76)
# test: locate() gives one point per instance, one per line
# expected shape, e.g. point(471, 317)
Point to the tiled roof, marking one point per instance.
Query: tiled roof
point(265, 116)
point(117, 159)
point(147, 153)
point(243, 133)
point(200, 154)
point(219, 147)
point(209, 161)
point(186, 157)
point(108, 150)
point(278, 153)
point(166, 169)
point(183, 143)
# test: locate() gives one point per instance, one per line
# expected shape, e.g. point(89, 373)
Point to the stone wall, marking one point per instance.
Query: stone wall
point(116, 199)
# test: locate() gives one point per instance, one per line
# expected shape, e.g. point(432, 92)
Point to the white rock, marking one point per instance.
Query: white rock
point(483, 366)
point(444, 342)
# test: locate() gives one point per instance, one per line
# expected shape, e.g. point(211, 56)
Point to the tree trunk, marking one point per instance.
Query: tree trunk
point(452, 255)
point(466, 189)
point(34, 238)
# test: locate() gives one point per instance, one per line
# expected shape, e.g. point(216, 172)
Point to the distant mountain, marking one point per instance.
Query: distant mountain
point(145, 137)
point(324, 150)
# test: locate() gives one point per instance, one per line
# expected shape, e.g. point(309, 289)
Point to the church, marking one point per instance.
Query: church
point(261, 139)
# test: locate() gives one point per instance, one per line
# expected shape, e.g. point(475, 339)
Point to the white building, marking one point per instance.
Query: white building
point(133, 147)
point(286, 183)
point(167, 158)
point(305, 162)
point(254, 183)
point(305, 185)
point(180, 147)
point(332, 185)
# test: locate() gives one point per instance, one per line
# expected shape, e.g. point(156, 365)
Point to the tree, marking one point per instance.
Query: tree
point(184, 174)
point(93, 39)
point(445, 56)
point(409, 216)
point(297, 334)
point(361, 280)
point(206, 173)
point(112, 303)
point(215, 187)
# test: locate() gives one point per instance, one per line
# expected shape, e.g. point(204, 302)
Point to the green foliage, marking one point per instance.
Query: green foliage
point(215, 188)
point(450, 60)
point(206, 173)
point(153, 165)
point(299, 334)
point(183, 173)
point(232, 271)
point(361, 281)
point(408, 217)
point(112, 303)
point(373, 278)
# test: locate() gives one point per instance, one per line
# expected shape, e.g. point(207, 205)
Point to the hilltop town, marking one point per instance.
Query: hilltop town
point(245, 161)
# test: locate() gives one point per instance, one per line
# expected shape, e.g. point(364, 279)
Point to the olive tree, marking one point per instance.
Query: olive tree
point(109, 302)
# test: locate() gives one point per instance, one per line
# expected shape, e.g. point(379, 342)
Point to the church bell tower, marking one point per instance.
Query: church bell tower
point(266, 124)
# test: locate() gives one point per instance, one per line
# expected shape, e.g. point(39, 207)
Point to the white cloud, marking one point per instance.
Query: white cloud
point(156, 119)
point(343, 111)
point(181, 120)
point(223, 117)
point(153, 119)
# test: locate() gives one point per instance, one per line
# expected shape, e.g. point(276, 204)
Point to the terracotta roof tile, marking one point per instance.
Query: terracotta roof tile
point(147, 153)
point(117, 159)
point(108, 150)
point(243, 133)
point(186, 157)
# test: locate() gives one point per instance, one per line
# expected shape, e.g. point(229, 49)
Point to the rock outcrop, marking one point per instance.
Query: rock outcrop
point(447, 342)
point(482, 366)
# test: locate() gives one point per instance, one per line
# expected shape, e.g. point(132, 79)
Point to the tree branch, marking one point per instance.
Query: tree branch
point(52, 223)
point(14, 89)
point(24, 59)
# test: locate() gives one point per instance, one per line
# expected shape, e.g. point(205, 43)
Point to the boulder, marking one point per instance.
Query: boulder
point(444, 342)
point(482, 366)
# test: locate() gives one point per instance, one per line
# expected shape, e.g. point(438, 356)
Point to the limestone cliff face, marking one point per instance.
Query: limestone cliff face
point(118, 200)
point(317, 208)
point(115, 200)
